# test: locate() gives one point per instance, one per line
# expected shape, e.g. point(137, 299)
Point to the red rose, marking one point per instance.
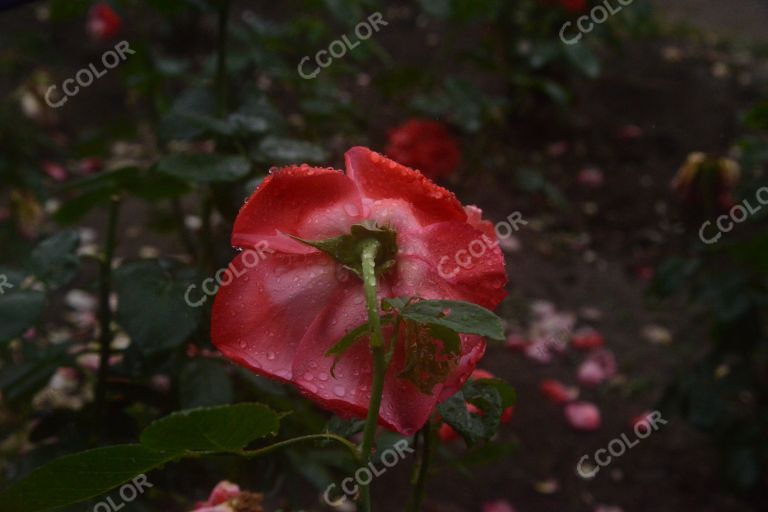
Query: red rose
point(425, 145)
point(280, 316)
point(103, 22)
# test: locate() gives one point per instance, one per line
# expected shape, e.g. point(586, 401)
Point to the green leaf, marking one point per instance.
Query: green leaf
point(282, 151)
point(757, 118)
point(179, 122)
point(506, 392)
point(583, 59)
point(54, 260)
point(227, 428)
point(204, 383)
point(98, 190)
point(474, 428)
point(343, 427)
point(204, 167)
point(440, 9)
point(349, 339)
point(19, 310)
point(462, 317)
point(151, 306)
point(19, 382)
point(75, 478)
point(449, 337)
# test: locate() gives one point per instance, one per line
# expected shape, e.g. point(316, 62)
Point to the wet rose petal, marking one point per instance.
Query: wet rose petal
point(600, 367)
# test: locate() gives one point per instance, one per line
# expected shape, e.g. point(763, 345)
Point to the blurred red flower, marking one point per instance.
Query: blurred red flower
point(281, 316)
point(103, 22)
point(571, 5)
point(557, 392)
point(427, 146)
point(498, 506)
point(586, 339)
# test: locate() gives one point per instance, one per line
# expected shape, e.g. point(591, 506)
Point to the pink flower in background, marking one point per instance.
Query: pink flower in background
point(228, 497)
point(498, 506)
point(600, 367)
point(425, 145)
point(55, 171)
point(584, 416)
point(590, 177)
point(103, 22)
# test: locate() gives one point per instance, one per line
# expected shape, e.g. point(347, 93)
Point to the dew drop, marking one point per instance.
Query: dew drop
point(323, 377)
point(339, 390)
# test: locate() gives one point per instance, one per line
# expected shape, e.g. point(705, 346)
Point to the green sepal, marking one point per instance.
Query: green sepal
point(347, 249)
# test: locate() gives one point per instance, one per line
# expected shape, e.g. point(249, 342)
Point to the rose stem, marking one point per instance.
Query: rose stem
point(105, 312)
point(379, 365)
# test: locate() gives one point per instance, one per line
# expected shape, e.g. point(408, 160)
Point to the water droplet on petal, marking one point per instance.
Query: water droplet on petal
point(339, 390)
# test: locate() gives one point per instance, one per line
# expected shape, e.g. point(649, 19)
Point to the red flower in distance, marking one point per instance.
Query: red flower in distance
point(103, 22)
point(427, 146)
point(281, 316)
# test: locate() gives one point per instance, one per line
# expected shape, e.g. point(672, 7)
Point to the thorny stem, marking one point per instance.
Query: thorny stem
point(379, 363)
point(105, 313)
